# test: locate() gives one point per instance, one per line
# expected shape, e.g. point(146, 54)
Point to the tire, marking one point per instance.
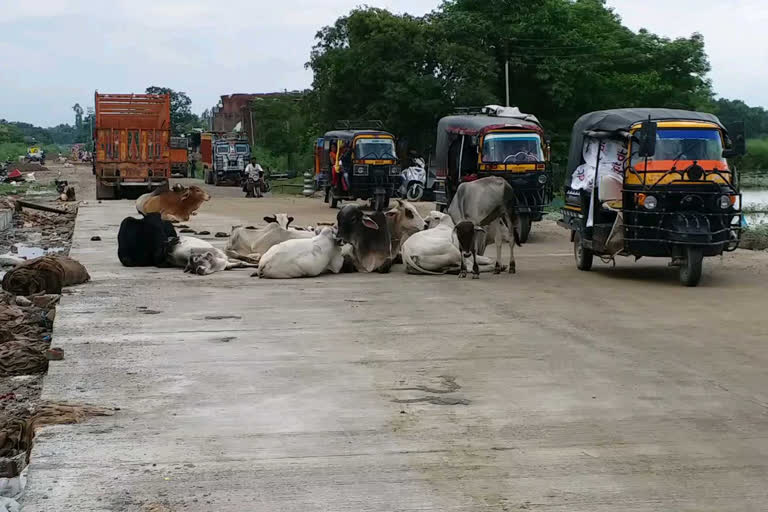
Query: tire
point(415, 191)
point(332, 199)
point(583, 255)
point(381, 201)
point(690, 269)
point(207, 178)
point(105, 191)
point(525, 228)
point(327, 193)
point(215, 178)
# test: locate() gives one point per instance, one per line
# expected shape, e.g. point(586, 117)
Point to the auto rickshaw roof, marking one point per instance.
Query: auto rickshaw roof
point(451, 127)
point(620, 120)
point(351, 134)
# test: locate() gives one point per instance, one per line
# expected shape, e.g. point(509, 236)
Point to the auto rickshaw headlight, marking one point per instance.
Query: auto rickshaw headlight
point(650, 203)
point(542, 178)
point(361, 170)
point(724, 202)
point(394, 171)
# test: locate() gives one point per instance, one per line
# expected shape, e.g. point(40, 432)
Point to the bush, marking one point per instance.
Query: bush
point(12, 151)
point(755, 237)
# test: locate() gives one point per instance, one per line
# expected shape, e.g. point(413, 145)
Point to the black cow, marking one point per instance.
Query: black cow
point(145, 242)
point(369, 237)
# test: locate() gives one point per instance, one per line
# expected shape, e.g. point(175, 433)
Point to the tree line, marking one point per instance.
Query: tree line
point(566, 58)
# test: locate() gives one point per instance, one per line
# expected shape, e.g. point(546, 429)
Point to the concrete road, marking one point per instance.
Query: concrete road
point(552, 389)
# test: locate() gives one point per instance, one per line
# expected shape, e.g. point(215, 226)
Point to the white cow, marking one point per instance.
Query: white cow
point(200, 257)
point(303, 257)
point(435, 251)
point(250, 244)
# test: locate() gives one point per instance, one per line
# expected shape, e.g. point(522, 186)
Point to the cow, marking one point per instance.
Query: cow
point(250, 244)
point(200, 257)
point(403, 220)
point(175, 205)
point(486, 202)
point(434, 252)
point(304, 257)
point(369, 237)
point(466, 234)
point(144, 242)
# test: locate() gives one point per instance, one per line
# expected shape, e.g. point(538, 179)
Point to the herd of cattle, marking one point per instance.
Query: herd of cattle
point(481, 211)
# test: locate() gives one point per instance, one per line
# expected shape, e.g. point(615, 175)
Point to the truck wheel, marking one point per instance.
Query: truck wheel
point(690, 269)
point(216, 180)
point(583, 255)
point(105, 191)
point(525, 228)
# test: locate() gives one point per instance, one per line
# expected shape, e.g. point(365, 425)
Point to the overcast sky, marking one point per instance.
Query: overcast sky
point(54, 53)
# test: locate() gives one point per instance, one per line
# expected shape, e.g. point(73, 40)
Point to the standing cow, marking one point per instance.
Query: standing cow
point(487, 202)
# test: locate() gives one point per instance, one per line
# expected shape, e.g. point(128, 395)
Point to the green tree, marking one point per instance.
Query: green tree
point(182, 119)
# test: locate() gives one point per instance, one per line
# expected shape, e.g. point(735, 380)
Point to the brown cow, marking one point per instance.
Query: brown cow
point(176, 204)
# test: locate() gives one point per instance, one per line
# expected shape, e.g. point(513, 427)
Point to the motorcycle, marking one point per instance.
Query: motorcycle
point(252, 185)
point(413, 180)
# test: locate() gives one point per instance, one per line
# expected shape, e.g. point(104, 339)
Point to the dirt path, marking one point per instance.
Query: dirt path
point(553, 389)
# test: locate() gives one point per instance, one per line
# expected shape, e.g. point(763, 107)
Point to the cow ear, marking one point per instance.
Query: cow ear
point(290, 219)
point(270, 219)
point(370, 223)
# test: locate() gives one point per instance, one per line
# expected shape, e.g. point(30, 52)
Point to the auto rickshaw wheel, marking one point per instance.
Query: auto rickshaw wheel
point(690, 269)
point(525, 227)
point(583, 255)
point(332, 199)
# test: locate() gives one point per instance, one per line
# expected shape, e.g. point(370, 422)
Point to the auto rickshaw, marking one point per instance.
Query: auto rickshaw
point(652, 182)
point(356, 163)
point(495, 141)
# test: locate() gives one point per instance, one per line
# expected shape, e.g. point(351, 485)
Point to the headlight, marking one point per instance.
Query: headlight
point(361, 170)
point(650, 203)
point(394, 170)
point(542, 178)
point(724, 202)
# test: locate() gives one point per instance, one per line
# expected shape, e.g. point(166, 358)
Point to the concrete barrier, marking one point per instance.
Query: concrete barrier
point(6, 219)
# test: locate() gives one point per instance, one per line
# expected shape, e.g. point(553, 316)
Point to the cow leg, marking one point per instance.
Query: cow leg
point(462, 267)
point(239, 264)
point(498, 239)
point(475, 268)
point(251, 258)
point(512, 224)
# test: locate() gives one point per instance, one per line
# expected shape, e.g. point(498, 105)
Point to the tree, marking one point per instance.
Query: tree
point(182, 118)
point(78, 115)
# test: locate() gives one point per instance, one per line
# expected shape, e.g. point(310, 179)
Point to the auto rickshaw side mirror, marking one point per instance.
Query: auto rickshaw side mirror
point(736, 144)
point(647, 139)
point(548, 148)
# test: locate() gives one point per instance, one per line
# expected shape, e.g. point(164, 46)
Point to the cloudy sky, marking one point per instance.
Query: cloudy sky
point(54, 53)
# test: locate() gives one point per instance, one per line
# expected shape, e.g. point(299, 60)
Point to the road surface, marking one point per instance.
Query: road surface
point(551, 389)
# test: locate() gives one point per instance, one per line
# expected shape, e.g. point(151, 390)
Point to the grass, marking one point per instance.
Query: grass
point(755, 237)
point(6, 189)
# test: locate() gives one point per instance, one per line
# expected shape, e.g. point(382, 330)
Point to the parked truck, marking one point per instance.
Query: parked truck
point(180, 157)
point(131, 143)
point(229, 155)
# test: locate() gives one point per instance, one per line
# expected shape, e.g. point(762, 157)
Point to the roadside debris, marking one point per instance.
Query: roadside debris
point(47, 274)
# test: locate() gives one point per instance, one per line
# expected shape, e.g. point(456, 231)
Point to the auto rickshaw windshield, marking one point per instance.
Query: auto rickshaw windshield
point(512, 148)
point(685, 144)
point(374, 149)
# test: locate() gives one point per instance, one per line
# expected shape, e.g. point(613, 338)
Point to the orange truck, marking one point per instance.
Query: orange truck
point(180, 157)
point(131, 136)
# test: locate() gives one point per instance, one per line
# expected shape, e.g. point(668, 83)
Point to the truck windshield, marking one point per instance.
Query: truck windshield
point(684, 144)
point(241, 148)
point(375, 149)
point(512, 148)
point(222, 149)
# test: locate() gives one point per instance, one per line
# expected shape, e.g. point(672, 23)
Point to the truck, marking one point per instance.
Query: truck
point(180, 157)
point(131, 136)
point(228, 157)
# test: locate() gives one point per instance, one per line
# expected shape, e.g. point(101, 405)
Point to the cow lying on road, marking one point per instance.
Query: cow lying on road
point(144, 242)
point(434, 252)
point(200, 257)
point(176, 204)
point(307, 257)
point(403, 220)
point(250, 244)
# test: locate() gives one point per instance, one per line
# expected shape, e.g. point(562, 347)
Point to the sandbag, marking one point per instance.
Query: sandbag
point(46, 274)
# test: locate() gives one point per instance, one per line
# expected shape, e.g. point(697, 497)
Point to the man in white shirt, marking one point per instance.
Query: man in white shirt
point(254, 172)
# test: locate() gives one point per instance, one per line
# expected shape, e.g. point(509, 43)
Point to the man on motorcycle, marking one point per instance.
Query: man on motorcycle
point(254, 176)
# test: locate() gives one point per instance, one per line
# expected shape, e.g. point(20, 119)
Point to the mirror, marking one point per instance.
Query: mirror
point(647, 139)
point(736, 143)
